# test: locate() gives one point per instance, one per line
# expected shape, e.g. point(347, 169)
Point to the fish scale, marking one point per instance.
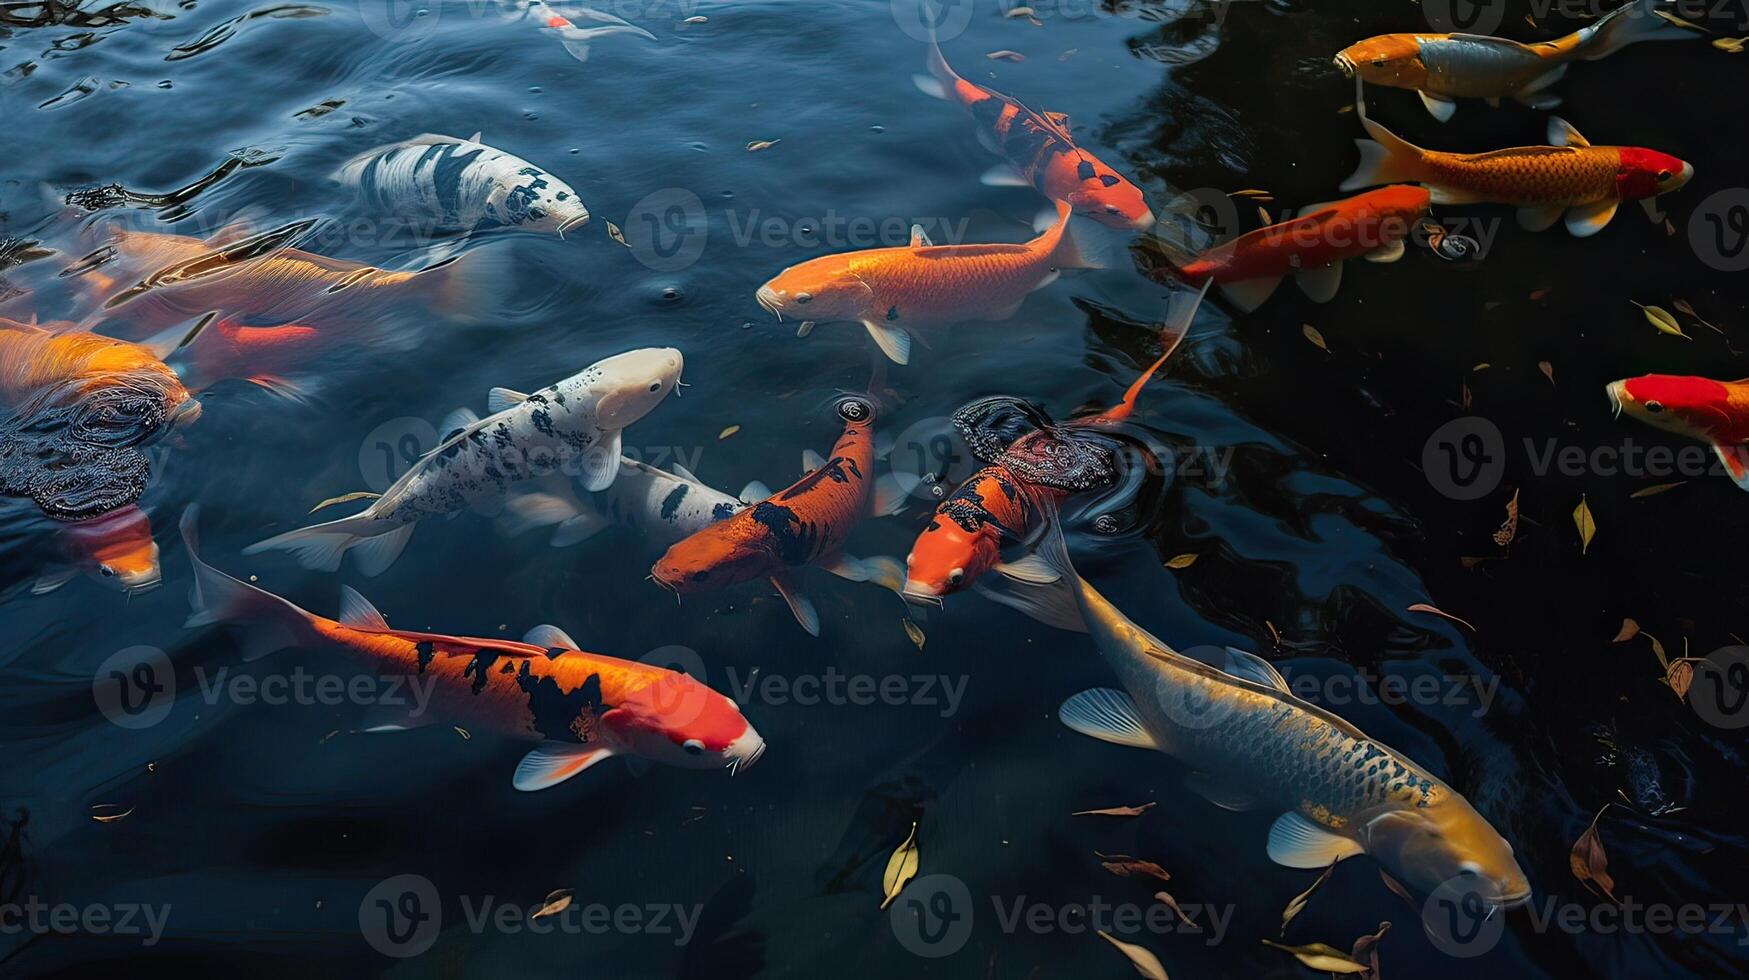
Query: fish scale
point(941, 282)
point(1531, 175)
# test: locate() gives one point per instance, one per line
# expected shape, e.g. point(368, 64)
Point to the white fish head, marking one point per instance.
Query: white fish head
point(1447, 842)
point(542, 202)
point(628, 386)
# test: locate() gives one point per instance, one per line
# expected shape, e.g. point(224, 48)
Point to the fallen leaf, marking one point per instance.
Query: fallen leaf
point(1367, 948)
point(726, 433)
point(1482, 366)
point(1019, 12)
point(1683, 307)
point(463, 732)
point(1435, 610)
point(1538, 295)
point(1586, 524)
point(1590, 863)
point(1680, 676)
point(1660, 318)
point(1125, 866)
point(556, 902)
point(1167, 900)
point(1629, 630)
point(1005, 55)
point(804, 328)
point(1658, 651)
point(1298, 904)
point(614, 233)
point(1315, 337)
point(109, 812)
point(1146, 963)
point(346, 498)
point(1508, 530)
point(1116, 811)
point(1183, 561)
point(1655, 489)
point(1734, 45)
point(1066, 55)
point(1397, 888)
point(699, 19)
point(1319, 956)
point(915, 632)
point(901, 867)
point(757, 145)
point(1547, 369)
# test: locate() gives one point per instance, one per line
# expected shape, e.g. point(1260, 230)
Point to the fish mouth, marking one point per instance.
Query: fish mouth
point(1345, 64)
point(744, 759)
point(570, 223)
point(1515, 899)
point(921, 594)
point(766, 297)
point(1146, 222)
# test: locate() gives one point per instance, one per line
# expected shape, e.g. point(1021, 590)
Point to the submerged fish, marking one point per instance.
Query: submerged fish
point(1253, 744)
point(574, 423)
point(806, 523)
point(581, 707)
point(1585, 182)
point(116, 548)
point(576, 39)
point(891, 290)
point(1715, 412)
point(1443, 67)
point(664, 506)
point(1032, 466)
point(1039, 150)
point(462, 186)
point(1312, 247)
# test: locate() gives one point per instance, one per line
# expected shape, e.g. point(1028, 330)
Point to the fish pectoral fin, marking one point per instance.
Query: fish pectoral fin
point(1538, 218)
point(1320, 282)
point(1033, 570)
point(1388, 253)
point(1583, 222)
point(49, 583)
point(895, 342)
point(1736, 460)
point(1562, 133)
point(1650, 206)
point(799, 605)
point(847, 567)
point(528, 511)
point(499, 399)
point(550, 637)
point(1249, 294)
point(578, 529)
point(891, 494)
point(373, 556)
point(456, 423)
point(880, 570)
point(551, 763)
point(1296, 842)
point(1440, 107)
point(811, 461)
point(601, 464)
point(1108, 715)
point(1003, 175)
point(1220, 793)
point(754, 492)
point(684, 473)
point(930, 86)
point(357, 612)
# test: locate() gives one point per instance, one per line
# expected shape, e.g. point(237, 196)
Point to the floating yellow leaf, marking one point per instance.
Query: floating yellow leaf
point(804, 328)
point(463, 732)
point(1146, 963)
point(901, 867)
point(614, 233)
point(1183, 561)
point(556, 901)
point(1629, 630)
point(1298, 904)
point(1315, 337)
point(1586, 524)
point(1660, 318)
point(757, 145)
point(726, 433)
point(1435, 610)
point(1319, 956)
point(345, 498)
point(1734, 45)
point(1116, 811)
point(915, 632)
point(1658, 651)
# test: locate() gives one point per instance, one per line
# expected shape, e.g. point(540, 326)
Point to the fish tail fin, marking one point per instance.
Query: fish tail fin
point(1385, 159)
point(1179, 315)
point(1075, 245)
point(1629, 24)
point(575, 40)
point(467, 286)
point(1053, 598)
point(218, 598)
point(321, 546)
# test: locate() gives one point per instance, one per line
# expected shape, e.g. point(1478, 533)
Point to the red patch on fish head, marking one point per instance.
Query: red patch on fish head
point(1698, 406)
point(1105, 196)
point(947, 558)
point(1645, 173)
point(557, 21)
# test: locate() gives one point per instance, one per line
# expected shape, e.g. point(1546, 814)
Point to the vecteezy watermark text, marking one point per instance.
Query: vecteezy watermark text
point(40, 918)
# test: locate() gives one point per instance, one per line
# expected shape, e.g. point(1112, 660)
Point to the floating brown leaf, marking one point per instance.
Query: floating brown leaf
point(1166, 899)
point(1366, 948)
point(1590, 863)
point(556, 901)
point(1116, 811)
point(1315, 337)
point(346, 498)
point(1508, 530)
point(1182, 561)
point(1658, 651)
point(109, 812)
point(1298, 904)
point(757, 145)
point(1319, 956)
point(1586, 524)
point(614, 233)
point(1656, 489)
point(1683, 307)
point(1680, 676)
point(1629, 630)
point(1731, 45)
point(1547, 369)
point(804, 328)
point(915, 632)
point(1125, 866)
point(1435, 610)
point(726, 433)
point(1397, 889)
point(901, 868)
point(463, 732)
point(1146, 963)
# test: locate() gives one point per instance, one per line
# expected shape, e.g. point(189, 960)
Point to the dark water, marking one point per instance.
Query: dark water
point(263, 836)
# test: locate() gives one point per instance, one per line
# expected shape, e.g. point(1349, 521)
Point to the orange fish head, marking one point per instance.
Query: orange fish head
point(717, 556)
point(1647, 173)
point(948, 557)
point(1392, 60)
point(1103, 195)
point(679, 721)
point(119, 547)
point(819, 289)
point(1688, 406)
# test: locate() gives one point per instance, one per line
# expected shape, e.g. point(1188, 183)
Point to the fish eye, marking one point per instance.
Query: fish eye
point(655, 386)
point(105, 570)
point(1664, 175)
point(692, 746)
point(804, 297)
point(1470, 868)
point(1379, 62)
point(956, 576)
point(1654, 407)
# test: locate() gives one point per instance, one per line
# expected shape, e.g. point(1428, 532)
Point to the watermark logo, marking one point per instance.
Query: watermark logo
point(391, 449)
point(932, 917)
point(1464, 16)
point(1460, 919)
point(401, 916)
point(1720, 689)
point(1719, 230)
point(400, 21)
point(916, 17)
point(123, 919)
point(135, 687)
point(1465, 458)
point(931, 458)
point(667, 229)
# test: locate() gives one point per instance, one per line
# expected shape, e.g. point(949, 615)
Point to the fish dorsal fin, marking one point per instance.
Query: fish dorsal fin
point(1061, 119)
point(550, 637)
point(1562, 133)
point(499, 399)
point(811, 461)
point(919, 239)
point(551, 763)
point(1108, 715)
point(357, 612)
point(1253, 668)
point(754, 492)
point(685, 474)
point(456, 422)
point(1297, 842)
point(478, 137)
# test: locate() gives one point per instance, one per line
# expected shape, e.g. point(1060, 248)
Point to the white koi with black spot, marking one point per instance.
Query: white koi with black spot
point(462, 185)
point(663, 506)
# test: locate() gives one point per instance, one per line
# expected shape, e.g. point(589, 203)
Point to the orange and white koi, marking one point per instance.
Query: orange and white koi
point(1715, 412)
point(1444, 67)
point(1312, 247)
point(580, 707)
point(1570, 176)
point(1039, 150)
point(892, 290)
point(576, 39)
point(806, 523)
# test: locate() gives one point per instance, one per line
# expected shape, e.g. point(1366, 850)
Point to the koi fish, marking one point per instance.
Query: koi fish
point(1254, 744)
point(580, 707)
point(579, 421)
point(462, 186)
point(116, 548)
point(1039, 151)
point(1572, 176)
point(803, 524)
point(1715, 412)
point(892, 290)
point(1444, 67)
point(1312, 247)
point(576, 39)
point(665, 506)
point(1023, 479)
